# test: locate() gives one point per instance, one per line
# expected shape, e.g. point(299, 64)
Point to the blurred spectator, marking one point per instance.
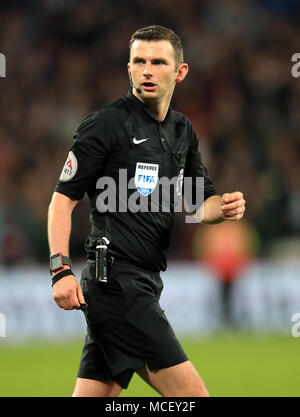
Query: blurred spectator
point(64, 59)
point(227, 249)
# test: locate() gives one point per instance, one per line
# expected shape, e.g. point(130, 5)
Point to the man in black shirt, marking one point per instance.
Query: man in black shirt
point(137, 137)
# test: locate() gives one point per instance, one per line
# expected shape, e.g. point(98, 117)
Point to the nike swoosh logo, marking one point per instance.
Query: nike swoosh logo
point(137, 142)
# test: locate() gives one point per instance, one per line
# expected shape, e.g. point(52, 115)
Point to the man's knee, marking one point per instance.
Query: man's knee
point(203, 393)
point(92, 388)
point(193, 390)
point(178, 380)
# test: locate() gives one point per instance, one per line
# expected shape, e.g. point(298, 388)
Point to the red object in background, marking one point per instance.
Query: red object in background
point(227, 264)
point(226, 247)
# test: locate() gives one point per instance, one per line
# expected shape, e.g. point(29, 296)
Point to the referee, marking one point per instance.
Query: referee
point(140, 135)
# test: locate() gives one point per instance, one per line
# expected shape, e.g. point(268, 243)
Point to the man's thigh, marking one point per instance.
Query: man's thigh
point(181, 380)
point(85, 387)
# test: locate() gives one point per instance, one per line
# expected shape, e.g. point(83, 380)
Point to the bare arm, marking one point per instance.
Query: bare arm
point(212, 210)
point(67, 291)
point(216, 209)
point(59, 223)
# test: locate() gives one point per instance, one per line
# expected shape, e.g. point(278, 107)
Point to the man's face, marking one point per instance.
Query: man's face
point(153, 68)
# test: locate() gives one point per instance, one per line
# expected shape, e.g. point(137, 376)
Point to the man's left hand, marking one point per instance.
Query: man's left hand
point(233, 206)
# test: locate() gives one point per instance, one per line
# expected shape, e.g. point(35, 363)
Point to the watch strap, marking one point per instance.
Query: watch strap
point(66, 261)
point(61, 275)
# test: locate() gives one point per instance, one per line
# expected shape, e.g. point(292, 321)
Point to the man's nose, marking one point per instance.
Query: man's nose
point(147, 69)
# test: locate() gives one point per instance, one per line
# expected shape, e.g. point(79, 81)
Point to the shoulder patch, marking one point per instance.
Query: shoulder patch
point(70, 168)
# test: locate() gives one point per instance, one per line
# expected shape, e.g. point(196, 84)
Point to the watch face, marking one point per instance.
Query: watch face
point(56, 262)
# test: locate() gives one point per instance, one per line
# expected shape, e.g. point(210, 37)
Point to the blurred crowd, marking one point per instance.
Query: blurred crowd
point(66, 58)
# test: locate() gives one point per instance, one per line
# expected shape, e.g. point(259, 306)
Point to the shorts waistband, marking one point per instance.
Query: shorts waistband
point(112, 260)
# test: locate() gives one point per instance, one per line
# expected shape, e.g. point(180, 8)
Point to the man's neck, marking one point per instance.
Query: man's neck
point(159, 109)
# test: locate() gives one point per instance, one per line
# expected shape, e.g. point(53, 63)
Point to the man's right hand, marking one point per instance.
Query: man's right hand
point(67, 293)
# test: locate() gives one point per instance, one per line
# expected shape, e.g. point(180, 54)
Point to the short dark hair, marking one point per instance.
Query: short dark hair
point(159, 33)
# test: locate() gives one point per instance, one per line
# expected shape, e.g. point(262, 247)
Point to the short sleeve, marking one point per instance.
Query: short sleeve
point(194, 169)
point(87, 157)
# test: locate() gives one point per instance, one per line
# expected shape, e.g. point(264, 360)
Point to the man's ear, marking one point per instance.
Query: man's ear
point(182, 71)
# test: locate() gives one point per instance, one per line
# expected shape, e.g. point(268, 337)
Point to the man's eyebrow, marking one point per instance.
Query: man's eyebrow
point(164, 60)
point(137, 58)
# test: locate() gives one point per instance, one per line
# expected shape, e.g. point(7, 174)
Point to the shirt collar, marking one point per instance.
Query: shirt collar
point(136, 102)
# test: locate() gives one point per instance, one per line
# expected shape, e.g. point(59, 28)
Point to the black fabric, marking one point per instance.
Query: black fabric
point(60, 275)
point(103, 145)
point(126, 325)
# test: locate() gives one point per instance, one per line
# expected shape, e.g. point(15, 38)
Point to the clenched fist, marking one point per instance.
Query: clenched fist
point(233, 206)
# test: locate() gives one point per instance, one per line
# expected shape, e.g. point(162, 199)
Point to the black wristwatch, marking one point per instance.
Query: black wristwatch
point(58, 261)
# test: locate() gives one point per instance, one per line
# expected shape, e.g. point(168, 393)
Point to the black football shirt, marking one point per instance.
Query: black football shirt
point(124, 143)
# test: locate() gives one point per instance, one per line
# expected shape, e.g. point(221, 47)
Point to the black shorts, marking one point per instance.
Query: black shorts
point(126, 327)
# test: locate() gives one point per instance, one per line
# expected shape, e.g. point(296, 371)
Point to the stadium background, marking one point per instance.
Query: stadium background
point(64, 59)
